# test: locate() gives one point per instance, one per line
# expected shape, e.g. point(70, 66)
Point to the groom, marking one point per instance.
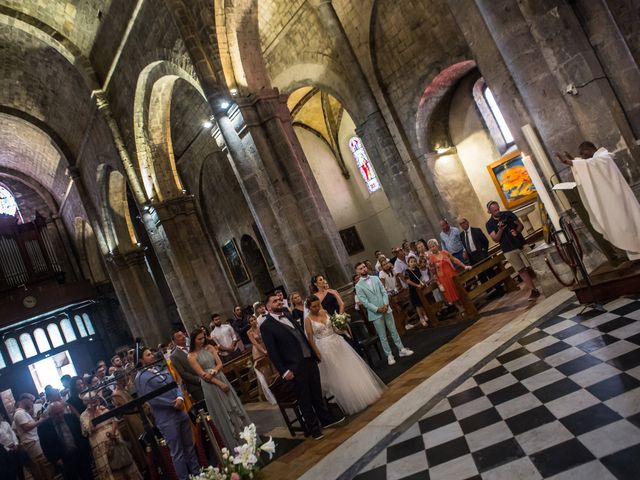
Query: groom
point(291, 353)
point(375, 299)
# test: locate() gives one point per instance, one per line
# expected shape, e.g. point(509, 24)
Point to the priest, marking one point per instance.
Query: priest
point(613, 209)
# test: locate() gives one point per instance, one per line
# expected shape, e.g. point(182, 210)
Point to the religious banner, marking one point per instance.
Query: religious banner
point(512, 180)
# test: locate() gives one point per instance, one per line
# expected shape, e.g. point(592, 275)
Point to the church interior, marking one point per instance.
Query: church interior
point(165, 160)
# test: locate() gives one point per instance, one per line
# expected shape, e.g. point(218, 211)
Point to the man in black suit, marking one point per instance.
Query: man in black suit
point(476, 249)
point(295, 360)
point(64, 445)
point(180, 361)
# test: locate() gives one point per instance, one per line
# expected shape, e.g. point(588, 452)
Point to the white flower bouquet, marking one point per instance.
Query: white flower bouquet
point(340, 321)
point(244, 464)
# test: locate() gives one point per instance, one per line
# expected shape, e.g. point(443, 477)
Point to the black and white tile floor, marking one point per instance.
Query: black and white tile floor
point(563, 402)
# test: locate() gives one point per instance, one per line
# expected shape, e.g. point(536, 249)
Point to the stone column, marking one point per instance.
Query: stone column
point(414, 219)
point(301, 201)
point(196, 279)
point(139, 297)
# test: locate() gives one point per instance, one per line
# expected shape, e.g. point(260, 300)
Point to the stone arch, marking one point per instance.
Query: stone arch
point(151, 125)
point(89, 251)
point(33, 184)
point(256, 264)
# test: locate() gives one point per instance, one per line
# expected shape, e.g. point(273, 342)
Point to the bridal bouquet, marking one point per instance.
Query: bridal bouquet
point(340, 321)
point(244, 464)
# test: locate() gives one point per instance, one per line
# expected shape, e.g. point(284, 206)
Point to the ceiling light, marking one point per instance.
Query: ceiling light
point(224, 104)
point(207, 124)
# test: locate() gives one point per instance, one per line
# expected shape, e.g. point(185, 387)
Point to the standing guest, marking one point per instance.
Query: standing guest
point(296, 361)
point(168, 410)
point(260, 311)
point(476, 249)
point(342, 372)
point(240, 324)
point(14, 458)
point(27, 430)
point(285, 303)
point(258, 350)
point(450, 237)
point(76, 387)
point(400, 265)
point(180, 361)
point(101, 437)
point(64, 445)
point(133, 427)
point(443, 262)
point(225, 336)
point(505, 228)
point(413, 276)
point(330, 299)
point(372, 271)
point(388, 279)
point(378, 254)
point(116, 364)
point(223, 403)
point(297, 308)
point(65, 381)
point(375, 299)
point(422, 250)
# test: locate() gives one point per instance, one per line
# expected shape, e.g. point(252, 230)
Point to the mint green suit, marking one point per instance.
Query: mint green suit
point(373, 297)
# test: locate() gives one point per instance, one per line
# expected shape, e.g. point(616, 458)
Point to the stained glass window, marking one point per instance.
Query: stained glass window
point(364, 165)
point(41, 340)
point(28, 346)
point(14, 349)
point(54, 335)
point(8, 205)
point(88, 324)
point(80, 325)
point(497, 114)
point(67, 330)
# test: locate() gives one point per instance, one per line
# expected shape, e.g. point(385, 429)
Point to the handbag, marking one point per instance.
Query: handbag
point(118, 455)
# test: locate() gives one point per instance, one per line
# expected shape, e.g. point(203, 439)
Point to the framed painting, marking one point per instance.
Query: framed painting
point(512, 180)
point(351, 240)
point(235, 263)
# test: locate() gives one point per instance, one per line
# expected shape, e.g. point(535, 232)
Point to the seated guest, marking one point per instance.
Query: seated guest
point(297, 308)
point(225, 336)
point(240, 324)
point(171, 419)
point(450, 238)
point(180, 362)
point(64, 445)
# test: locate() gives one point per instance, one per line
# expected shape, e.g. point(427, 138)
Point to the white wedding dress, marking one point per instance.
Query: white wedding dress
point(343, 373)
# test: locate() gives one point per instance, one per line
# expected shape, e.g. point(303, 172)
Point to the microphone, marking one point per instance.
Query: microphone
point(138, 341)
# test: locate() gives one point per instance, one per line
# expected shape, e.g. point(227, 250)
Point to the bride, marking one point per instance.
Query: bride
point(342, 372)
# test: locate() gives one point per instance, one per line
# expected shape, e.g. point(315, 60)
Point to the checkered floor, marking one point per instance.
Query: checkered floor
point(563, 402)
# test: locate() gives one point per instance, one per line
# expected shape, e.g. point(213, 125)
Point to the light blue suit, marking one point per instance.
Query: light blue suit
point(373, 297)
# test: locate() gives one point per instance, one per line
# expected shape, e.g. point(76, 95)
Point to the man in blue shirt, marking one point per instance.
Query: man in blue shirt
point(450, 238)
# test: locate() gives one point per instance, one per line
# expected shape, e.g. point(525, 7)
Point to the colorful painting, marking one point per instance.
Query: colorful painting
point(235, 263)
point(512, 180)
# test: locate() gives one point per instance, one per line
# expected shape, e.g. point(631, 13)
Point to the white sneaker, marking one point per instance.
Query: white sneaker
point(405, 352)
point(409, 326)
point(391, 360)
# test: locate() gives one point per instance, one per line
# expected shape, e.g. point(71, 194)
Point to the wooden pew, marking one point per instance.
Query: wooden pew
point(431, 306)
point(502, 276)
point(402, 310)
point(241, 377)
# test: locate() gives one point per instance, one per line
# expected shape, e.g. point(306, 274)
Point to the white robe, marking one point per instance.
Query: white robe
point(613, 209)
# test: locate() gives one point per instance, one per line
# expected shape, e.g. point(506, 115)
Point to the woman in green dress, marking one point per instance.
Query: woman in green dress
point(223, 404)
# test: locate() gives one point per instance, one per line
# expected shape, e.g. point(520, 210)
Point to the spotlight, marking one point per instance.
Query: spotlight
point(224, 104)
point(207, 124)
point(234, 91)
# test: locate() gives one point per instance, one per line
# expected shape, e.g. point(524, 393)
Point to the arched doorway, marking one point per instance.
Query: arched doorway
point(256, 264)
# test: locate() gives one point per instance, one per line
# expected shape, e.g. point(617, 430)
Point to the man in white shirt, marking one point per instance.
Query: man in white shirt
point(26, 428)
point(225, 336)
point(400, 266)
point(387, 277)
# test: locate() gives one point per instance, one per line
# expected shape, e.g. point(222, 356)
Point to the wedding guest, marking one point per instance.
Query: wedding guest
point(240, 324)
point(76, 387)
point(378, 254)
point(476, 249)
point(15, 458)
point(116, 364)
point(413, 277)
point(330, 299)
point(133, 427)
point(297, 308)
point(26, 427)
point(285, 303)
point(225, 336)
point(387, 277)
point(445, 271)
point(258, 349)
point(65, 381)
point(223, 403)
point(422, 250)
point(260, 311)
point(64, 445)
point(101, 437)
point(399, 266)
point(372, 271)
point(450, 237)
point(181, 363)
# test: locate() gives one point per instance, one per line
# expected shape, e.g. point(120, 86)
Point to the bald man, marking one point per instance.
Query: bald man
point(63, 444)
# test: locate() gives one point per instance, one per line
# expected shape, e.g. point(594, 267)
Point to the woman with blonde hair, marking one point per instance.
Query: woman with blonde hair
point(445, 271)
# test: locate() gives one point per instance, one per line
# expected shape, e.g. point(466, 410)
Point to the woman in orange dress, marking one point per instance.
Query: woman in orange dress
point(445, 271)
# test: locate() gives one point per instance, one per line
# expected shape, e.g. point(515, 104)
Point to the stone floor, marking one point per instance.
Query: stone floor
point(562, 402)
point(301, 459)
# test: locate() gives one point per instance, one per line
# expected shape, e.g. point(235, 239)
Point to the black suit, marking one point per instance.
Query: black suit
point(286, 353)
point(480, 241)
point(190, 378)
point(76, 464)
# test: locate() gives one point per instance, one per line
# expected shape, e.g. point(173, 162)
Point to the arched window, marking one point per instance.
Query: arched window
point(88, 324)
point(364, 165)
point(497, 115)
point(54, 335)
point(41, 340)
point(8, 205)
point(80, 325)
point(28, 347)
point(67, 330)
point(14, 349)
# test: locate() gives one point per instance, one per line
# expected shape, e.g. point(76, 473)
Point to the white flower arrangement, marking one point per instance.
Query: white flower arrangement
point(244, 464)
point(340, 321)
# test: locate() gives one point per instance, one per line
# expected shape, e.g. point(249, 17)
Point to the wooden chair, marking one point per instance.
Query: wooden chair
point(287, 402)
point(366, 340)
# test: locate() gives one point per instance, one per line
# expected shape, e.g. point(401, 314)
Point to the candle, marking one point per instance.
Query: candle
point(543, 193)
